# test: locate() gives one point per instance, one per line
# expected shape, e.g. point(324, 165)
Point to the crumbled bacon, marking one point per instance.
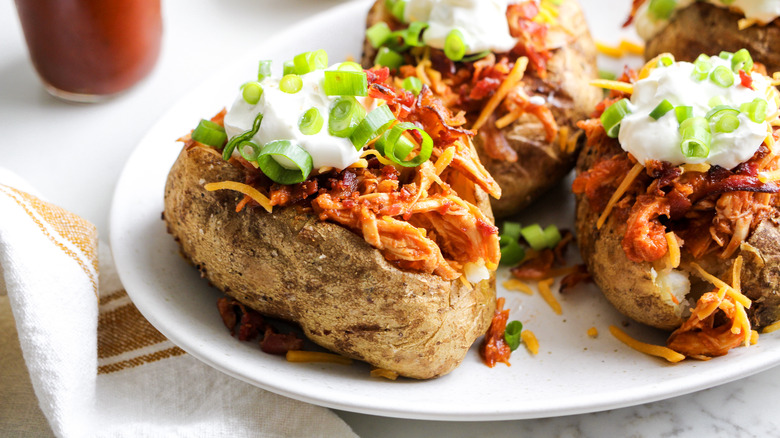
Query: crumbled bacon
point(279, 343)
point(537, 268)
point(252, 324)
point(572, 280)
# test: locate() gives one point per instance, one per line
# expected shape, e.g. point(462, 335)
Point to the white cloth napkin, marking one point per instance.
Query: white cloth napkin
point(97, 366)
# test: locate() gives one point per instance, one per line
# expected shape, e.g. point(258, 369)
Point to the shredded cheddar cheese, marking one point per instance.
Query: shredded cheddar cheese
point(512, 79)
point(771, 327)
point(563, 138)
point(593, 332)
point(624, 185)
point(546, 293)
point(529, 339)
point(607, 84)
point(653, 64)
point(698, 167)
point(730, 291)
point(514, 284)
point(316, 356)
point(242, 188)
point(381, 372)
point(744, 23)
point(444, 160)
point(652, 350)
point(753, 337)
point(674, 249)
point(624, 48)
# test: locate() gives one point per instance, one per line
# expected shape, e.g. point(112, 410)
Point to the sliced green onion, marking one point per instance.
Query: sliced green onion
point(402, 148)
point(534, 235)
point(346, 113)
point(209, 133)
point(288, 68)
point(742, 61)
point(297, 162)
point(725, 55)
point(413, 84)
point(755, 110)
point(388, 58)
point(612, 116)
point(398, 9)
point(551, 236)
point(701, 67)
point(512, 334)
point(378, 34)
point(683, 113)
point(665, 61)
point(696, 137)
point(263, 70)
point(291, 83)
point(251, 92)
point(454, 46)
point(604, 74)
point(231, 145)
point(372, 126)
point(350, 66)
point(476, 56)
point(345, 83)
point(722, 76)
point(311, 121)
point(249, 150)
point(662, 108)
point(512, 252)
point(511, 229)
point(719, 111)
point(395, 154)
point(412, 35)
point(716, 101)
point(397, 41)
point(726, 124)
point(662, 9)
point(307, 62)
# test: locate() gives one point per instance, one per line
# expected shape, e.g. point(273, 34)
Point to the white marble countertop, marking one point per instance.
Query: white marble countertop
point(54, 145)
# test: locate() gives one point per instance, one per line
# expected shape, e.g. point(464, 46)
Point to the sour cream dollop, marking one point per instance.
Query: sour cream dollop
point(649, 139)
point(281, 114)
point(763, 11)
point(483, 23)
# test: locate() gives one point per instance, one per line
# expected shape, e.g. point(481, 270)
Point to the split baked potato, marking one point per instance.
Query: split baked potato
point(701, 26)
point(690, 247)
point(385, 260)
point(531, 150)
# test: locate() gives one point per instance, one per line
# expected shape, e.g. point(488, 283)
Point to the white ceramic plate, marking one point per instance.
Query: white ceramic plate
point(572, 373)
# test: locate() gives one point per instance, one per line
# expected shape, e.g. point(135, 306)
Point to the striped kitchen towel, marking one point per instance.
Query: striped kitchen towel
point(97, 367)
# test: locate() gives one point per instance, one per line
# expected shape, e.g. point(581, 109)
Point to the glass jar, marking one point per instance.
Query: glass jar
point(88, 50)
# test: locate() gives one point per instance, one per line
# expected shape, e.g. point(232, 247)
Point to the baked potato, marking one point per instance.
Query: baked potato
point(375, 261)
point(528, 140)
point(669, 242)
point(699, 26)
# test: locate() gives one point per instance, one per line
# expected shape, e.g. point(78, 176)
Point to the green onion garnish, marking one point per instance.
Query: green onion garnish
point(604, 74)
point(512, 334)
point(454, 46)
point(722, 76)
point(251, 92)
point(246, 136)
point(291, 83)
point(263, 70)
point(249, 150)
point(388, 58)
point(719, 111)
point(398, 9)
point(209, 133)
point(345, 83)
point(552, 236)
point(742, 61)
point(378, 34)
point(413, 84)
point(534, 235)
point(297, 162)
point(716, 101)
point(372, 126)
point(665, 61)
point(701, 67)
point(345, 115)
point(476, 56)
point(683, 113)
point(512, 252)
point(414, 32)
point(398, 154)
point(350, 66)
point(309, 61)
point(662, 9)
point(726, 123)
point(288, 68)
point(311, 122)
point(755, 110)
point(511, 229)
point(725, 55)
point(662, 108)
point(696, 137)
point(612, 116)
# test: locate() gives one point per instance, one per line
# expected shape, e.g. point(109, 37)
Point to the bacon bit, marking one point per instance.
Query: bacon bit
point(746, 79)
point(567, 237)
point(535, 269)
point(581, 275)
point(494, 348)
point(279, 343)
point(251, 321)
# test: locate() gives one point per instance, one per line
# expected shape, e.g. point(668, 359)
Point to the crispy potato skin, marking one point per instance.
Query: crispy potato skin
point(704, 28)
point(340, 290)
point(540, 164)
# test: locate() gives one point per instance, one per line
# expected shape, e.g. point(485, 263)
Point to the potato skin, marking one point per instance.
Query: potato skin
point(704, 28)
point(540, 164)
point(340, 290)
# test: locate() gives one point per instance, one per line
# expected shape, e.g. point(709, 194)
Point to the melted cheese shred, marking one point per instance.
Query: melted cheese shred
point(623, 48)
point(316, 356)
point(514, 284)
point(512, 79)
point(730, 291)
point(652, 350)
point(771, 327)
point(607, 84)
point(624, 185)
point(529, 340)
point(242, 188)
point(546, 293)
point(674, 249)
